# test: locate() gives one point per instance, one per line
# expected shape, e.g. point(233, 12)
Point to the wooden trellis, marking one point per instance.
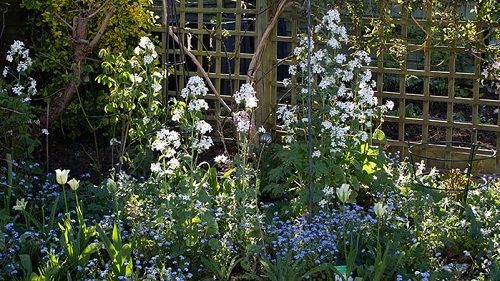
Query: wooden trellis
point(436, 87)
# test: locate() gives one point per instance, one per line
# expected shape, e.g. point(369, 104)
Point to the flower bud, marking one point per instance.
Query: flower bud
point(62, 176)
point(74, 184)
point(20, 205)
point(380, 209)
point(344, 192)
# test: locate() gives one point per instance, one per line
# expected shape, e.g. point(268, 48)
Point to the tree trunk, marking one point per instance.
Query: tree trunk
point(82, 48)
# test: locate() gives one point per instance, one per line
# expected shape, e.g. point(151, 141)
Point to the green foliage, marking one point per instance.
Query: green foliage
point(135, 101)
point(119, 253)
point(285, 268)
point(205, 221)
point(78, 247)
point(54, 49)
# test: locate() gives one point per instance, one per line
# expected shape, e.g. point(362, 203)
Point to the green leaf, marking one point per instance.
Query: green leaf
point(26, 264)
point(380, 136)
point(214, 244)
point(116, 237)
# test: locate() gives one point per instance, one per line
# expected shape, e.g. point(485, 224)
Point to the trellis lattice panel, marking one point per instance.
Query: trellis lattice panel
point(437, 89)
point(222, 35)
point(435, 84)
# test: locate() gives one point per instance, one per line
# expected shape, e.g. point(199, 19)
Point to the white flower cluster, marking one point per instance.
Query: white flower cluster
point(241, 120)
point(197, 105)
point(146, 48)
point(177, 114)
point(203, 143)
point(194, 88)
point(202, 127)
point(289, 118)
point(167, 143)
point(20, 55)
point(342, 84)
point(246, 95)
point(221, 159)
point(17, 51)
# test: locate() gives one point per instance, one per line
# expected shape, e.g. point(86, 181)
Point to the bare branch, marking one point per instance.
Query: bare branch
point(193, 58)
point(99, 9)
point(64, 21)
point(103, 27)
point(257, 57)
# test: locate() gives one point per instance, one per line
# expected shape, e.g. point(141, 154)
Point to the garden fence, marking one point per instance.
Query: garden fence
point(435, 84)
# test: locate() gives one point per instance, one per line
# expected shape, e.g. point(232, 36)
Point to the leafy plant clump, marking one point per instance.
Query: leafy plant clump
point(227, 218)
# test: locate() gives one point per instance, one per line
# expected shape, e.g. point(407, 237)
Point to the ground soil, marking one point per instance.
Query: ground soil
point(86, 159)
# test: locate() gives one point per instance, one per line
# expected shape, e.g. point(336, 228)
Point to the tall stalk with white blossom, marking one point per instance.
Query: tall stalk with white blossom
point(182, 147)
point(17, 89)
point(344, 113)
point(135, 100)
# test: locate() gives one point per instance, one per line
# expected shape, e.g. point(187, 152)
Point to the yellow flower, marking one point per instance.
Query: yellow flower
point(344, 192)
point(62, 176)
point(380, 209)
point(74, 184)
point(20, 205)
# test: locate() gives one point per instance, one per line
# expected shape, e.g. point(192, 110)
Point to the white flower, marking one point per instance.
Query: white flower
point(20, 205)
point(286, 82)
point(220, 159)
point(316, 154)
point(169, 152)
point(144, 42)
point(195, 87)
point(156, 87)
point(380, 209)
point(32, 86)
point(344, 192)
point(204, 143)
point(246, 95)
point(166, 139)
point(137, 50)
point(328, 190)
point(322, 203)
point(173, 164)
point(45, 131)
point(18, 89)
point(22, 66)
point(177, 114)
point(74, 184)
point(114, 141)
point(136, 78)
point(62, 176)
point(242, 121)
point(159, 145)
point(16, 47)
point(288, 116)
point(148, 59)
point(202, 126)
point(389, 105)
point(340, 58)
point(156, 168)
point(197, 105)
